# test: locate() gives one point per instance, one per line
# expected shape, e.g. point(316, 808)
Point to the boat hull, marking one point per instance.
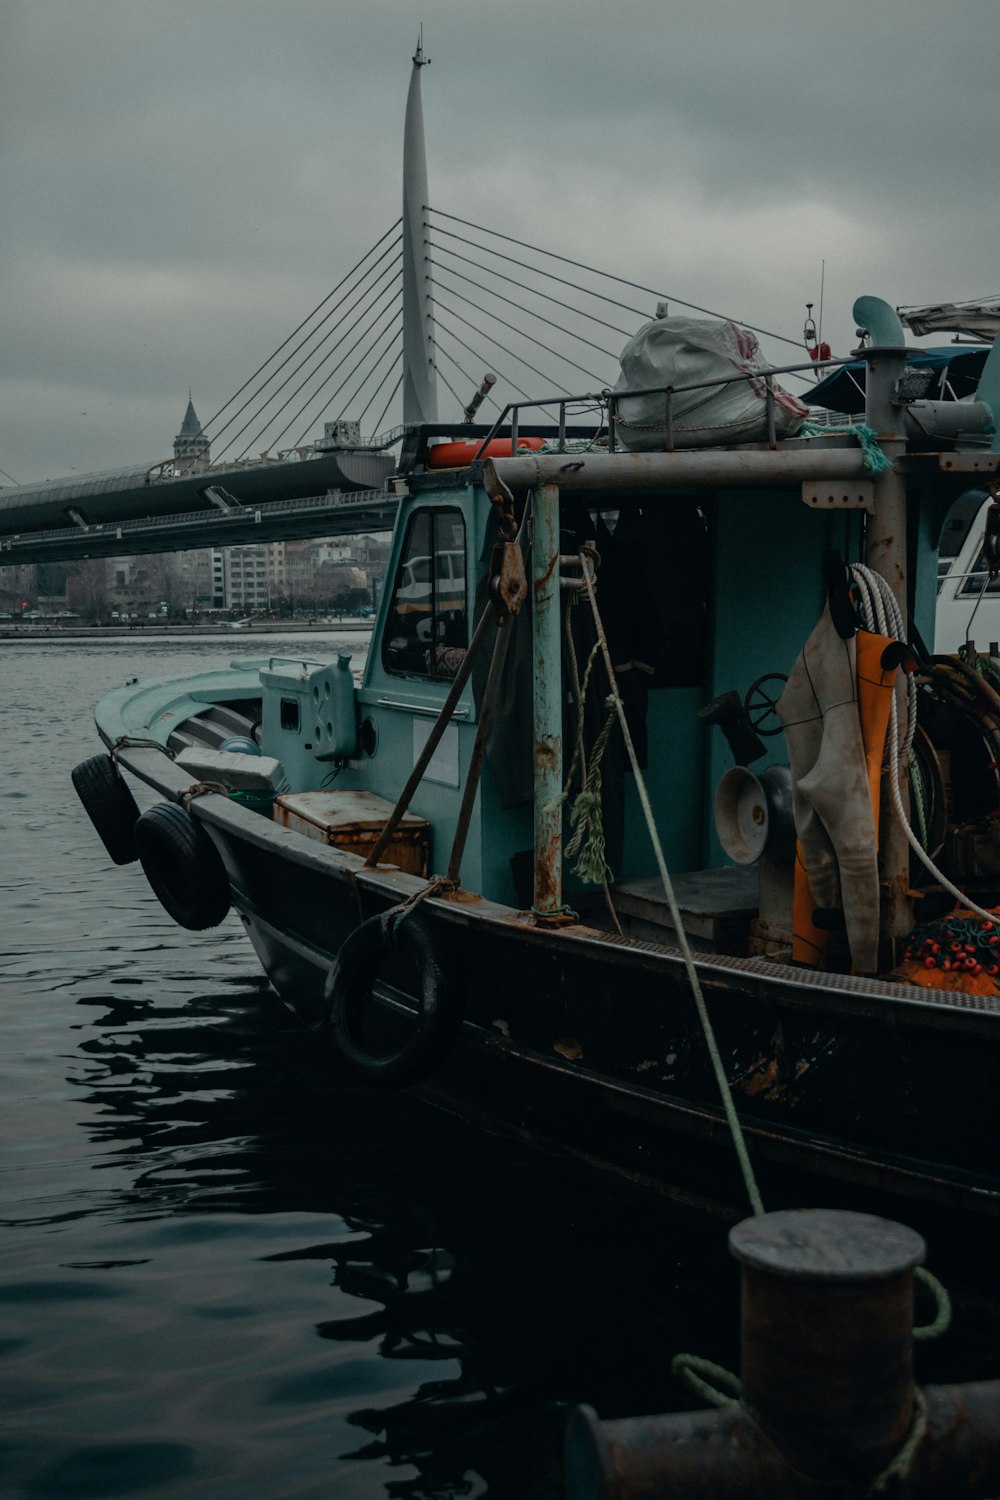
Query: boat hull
point(588, 1044)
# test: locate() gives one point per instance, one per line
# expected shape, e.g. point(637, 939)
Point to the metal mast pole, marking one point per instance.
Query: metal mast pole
point(887, 554)
point(419, 389)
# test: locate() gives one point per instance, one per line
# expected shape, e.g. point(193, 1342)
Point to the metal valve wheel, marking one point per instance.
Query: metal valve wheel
point(761, 703)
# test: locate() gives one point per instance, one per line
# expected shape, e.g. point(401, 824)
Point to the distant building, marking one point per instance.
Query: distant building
point(340, 550)
point(191, 447)
point(193, 579)
point(249, 578)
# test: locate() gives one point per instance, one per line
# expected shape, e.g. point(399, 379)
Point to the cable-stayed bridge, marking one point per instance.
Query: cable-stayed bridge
point(545, 325)
point(438, 301)
point(112, 515)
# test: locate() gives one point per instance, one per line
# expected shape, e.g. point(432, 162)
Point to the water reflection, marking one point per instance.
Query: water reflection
point(460, 1290)
point(227, 1274)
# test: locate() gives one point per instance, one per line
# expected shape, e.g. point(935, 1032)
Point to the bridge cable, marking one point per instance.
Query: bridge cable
point(390, 271)
point(622, 280)
point(535, 292)
point(608, 353)
point(364, 411)
point(447, 382)
point(538, 271)
point(305, 320)
point(392, 397)
point(487, 364)
point(523, 332)
point(395, 333)
point(493, 340)
point(292, 420)
point(463, 372)
point(372, 293)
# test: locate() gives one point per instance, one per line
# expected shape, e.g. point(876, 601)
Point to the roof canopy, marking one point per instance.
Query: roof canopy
point(932, 374)
point(977, 320)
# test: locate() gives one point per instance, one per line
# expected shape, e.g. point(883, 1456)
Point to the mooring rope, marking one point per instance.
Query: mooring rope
point(714, 1383)
point(736, 1130)
point(437, 885)
point(203, 789)
point(698, 1374)
point(941, 1321)
point(135, 742)
point(722, 1388)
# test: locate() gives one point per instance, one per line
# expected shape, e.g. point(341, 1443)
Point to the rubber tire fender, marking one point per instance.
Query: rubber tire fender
point(349, 991)
point(109, 805)
point(183, 867)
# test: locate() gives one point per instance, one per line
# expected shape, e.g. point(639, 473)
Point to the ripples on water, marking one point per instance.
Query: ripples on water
point(222, 1276)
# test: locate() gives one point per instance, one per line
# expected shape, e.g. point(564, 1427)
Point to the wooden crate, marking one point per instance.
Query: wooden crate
point(353, 821)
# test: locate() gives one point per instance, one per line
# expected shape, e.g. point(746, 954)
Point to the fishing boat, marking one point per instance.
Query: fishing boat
point(650, 830)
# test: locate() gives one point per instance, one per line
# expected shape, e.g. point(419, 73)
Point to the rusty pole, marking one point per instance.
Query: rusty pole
point(827, 1346)
point(887, 554)
point(547, 700)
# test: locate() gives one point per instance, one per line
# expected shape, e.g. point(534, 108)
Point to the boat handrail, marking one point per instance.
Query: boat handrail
point(608, 400)
point(183, 517)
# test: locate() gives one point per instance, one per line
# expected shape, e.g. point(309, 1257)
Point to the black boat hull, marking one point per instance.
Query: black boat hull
point(591, 1045)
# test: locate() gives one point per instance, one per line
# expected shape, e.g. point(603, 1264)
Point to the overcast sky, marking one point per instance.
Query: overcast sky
point(181, 182)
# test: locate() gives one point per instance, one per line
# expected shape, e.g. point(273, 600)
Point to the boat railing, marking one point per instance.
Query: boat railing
point(181, 468)
point(265, 508)
point(609, 402)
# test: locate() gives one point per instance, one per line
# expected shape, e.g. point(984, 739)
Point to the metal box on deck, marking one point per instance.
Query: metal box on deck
point(716, 907)
point(353, 821)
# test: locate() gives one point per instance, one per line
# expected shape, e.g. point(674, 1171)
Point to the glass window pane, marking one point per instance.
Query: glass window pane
point(427, 625)
point(972, 584)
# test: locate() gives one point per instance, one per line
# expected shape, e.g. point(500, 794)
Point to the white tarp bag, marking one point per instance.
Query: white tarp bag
point(684, 351)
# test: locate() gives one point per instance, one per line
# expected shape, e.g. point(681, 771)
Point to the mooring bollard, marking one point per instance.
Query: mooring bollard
point(828, 1406)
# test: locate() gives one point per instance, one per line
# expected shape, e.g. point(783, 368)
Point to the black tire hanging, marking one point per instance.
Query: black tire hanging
point(183, 867)
point(350, 990)
point(109, 805)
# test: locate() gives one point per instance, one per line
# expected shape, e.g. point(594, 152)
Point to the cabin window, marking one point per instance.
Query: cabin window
point(427, 627)
point(973, 584)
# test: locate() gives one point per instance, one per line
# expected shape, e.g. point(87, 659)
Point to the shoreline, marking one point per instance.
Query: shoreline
point(35, 632)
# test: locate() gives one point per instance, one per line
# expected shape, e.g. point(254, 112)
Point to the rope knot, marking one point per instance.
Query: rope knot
point(438, 885)
point(201, 789)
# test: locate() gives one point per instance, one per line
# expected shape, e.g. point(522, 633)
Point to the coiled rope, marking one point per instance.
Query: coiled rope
point(881, 612)
point(872, 456)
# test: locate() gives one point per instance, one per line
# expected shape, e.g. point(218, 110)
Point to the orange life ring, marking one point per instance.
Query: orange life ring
point(457, 455)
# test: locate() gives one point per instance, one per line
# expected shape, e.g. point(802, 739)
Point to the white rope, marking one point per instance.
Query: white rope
point(881, 612)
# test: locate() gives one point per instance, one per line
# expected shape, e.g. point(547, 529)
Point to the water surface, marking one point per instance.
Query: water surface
point(224, 1276)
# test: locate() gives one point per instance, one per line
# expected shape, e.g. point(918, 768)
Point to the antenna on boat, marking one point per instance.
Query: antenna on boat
point(419, 389)
point(822, 289)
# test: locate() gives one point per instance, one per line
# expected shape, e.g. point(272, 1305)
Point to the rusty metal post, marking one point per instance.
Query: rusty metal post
point(827, 1336)
point(886, 553)
point(828, 1396)
point(703, 1455)
point(547, 699)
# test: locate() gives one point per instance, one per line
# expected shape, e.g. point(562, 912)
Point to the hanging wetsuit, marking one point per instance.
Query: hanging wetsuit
point(832, 772)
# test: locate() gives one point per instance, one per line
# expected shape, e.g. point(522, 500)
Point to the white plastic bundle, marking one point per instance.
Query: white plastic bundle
point(685, 351)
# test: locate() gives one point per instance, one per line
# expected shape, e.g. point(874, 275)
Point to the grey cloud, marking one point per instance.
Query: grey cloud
point(219, 165)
